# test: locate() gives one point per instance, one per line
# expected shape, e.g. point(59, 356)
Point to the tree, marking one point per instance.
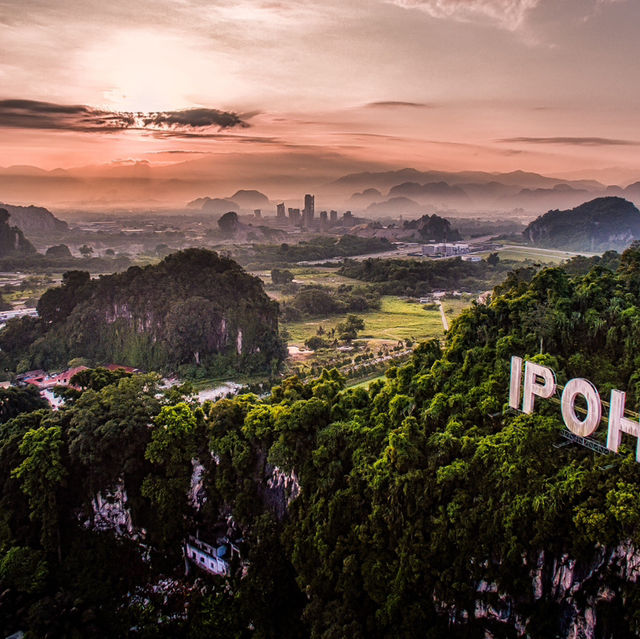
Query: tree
point(493, 259)
point(174, 443)
point(59, 250)
point(41, 474)
point(228, 223)
point(86, 250)
point(14, 401)
point(348, 330)
point(281, 277)
point(315, 342)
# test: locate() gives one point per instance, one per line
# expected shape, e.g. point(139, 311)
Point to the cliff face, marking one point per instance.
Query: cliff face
point(192, 308)
point(34, 219)
point(582, 599)
point(602, 224)
point(12, 240)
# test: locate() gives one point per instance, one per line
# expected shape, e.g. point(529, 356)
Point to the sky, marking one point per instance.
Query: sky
point(550, 86)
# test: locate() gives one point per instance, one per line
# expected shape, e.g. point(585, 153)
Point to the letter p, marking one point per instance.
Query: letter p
point(532, 373)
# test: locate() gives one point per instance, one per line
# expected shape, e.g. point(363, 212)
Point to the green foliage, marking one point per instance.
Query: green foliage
point(15, 400)
point(40, 474)
point(602, 224)
point(418, 277)
point(368, 513)
point(348, 330)
point(23, 569)
point(192, 307)
point(313, 301)
point(319, 248)
point(281, 277)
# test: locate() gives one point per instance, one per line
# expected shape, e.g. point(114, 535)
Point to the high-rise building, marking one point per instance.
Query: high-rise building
point(347, 219)
point(294, 216)
point(257, 212)
point(280, 210)
point(333, 216)
point(323, 219)
point(309, 210)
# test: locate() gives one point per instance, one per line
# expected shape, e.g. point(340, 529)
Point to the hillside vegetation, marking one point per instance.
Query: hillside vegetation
point(419, 507)
point(193, 308)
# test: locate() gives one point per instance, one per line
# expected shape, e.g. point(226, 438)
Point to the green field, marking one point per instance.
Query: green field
point(545, 256)
point(396, 320)
point(454, 306)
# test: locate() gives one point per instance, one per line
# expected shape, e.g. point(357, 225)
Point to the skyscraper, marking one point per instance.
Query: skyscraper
point(280, 210)
point(309, 210)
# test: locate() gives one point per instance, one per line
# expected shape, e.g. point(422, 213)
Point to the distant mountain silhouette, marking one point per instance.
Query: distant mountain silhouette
point(431, 192)
point(251, 199)
point(395, 206)
point(598, 225)
point(368, 196)
point(214, 205)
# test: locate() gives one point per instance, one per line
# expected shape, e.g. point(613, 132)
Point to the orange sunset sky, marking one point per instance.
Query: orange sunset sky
point(328, 87)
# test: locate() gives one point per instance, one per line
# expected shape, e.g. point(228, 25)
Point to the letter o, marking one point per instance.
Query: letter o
point(588, 425)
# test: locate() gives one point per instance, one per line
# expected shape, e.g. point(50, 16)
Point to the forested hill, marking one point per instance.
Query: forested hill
point(34, 219)
point(606, 223)
point(419, 507)
point(12, 240)
point(433, 228)
point(193, 309)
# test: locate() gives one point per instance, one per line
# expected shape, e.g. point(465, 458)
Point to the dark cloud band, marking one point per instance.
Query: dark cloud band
point(576, 141)
point(32, 114)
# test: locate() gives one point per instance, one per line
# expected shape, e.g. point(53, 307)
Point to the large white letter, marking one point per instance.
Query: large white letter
point(515, 383)
point(531, 386)
point(619, 424)
point(583, 427)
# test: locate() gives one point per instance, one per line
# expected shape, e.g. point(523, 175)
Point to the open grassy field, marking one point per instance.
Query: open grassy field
point(396, 320)
point(453, 307)
point(544, 256)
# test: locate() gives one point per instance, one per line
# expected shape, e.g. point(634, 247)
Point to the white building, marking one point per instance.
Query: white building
point(207, 557)
point(445, 249)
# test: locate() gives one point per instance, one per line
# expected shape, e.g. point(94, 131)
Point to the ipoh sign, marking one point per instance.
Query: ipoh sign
point(540, 381)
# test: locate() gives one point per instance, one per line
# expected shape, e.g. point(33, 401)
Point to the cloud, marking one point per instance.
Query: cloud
point(508, 14)
point(579, 141)
point(32, 114)
point(397, 103)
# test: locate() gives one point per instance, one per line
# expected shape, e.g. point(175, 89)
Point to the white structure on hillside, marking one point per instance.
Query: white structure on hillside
point(207, 557)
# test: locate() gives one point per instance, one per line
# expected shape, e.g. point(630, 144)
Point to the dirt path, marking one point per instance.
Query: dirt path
point(445, 321)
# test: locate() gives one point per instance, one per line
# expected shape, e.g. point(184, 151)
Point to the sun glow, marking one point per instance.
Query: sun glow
point(151, 71)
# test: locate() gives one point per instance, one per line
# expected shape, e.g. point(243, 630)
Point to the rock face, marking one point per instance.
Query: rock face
point(606, 223)
point(12, 240)
point(110, 511)
point(34, 219)
point(581, 597)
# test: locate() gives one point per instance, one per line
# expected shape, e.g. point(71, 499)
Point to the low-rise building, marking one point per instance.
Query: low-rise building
point(212, 559)
point(445, 249)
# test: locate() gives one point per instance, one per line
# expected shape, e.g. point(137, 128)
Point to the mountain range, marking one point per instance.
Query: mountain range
point(144, 185)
